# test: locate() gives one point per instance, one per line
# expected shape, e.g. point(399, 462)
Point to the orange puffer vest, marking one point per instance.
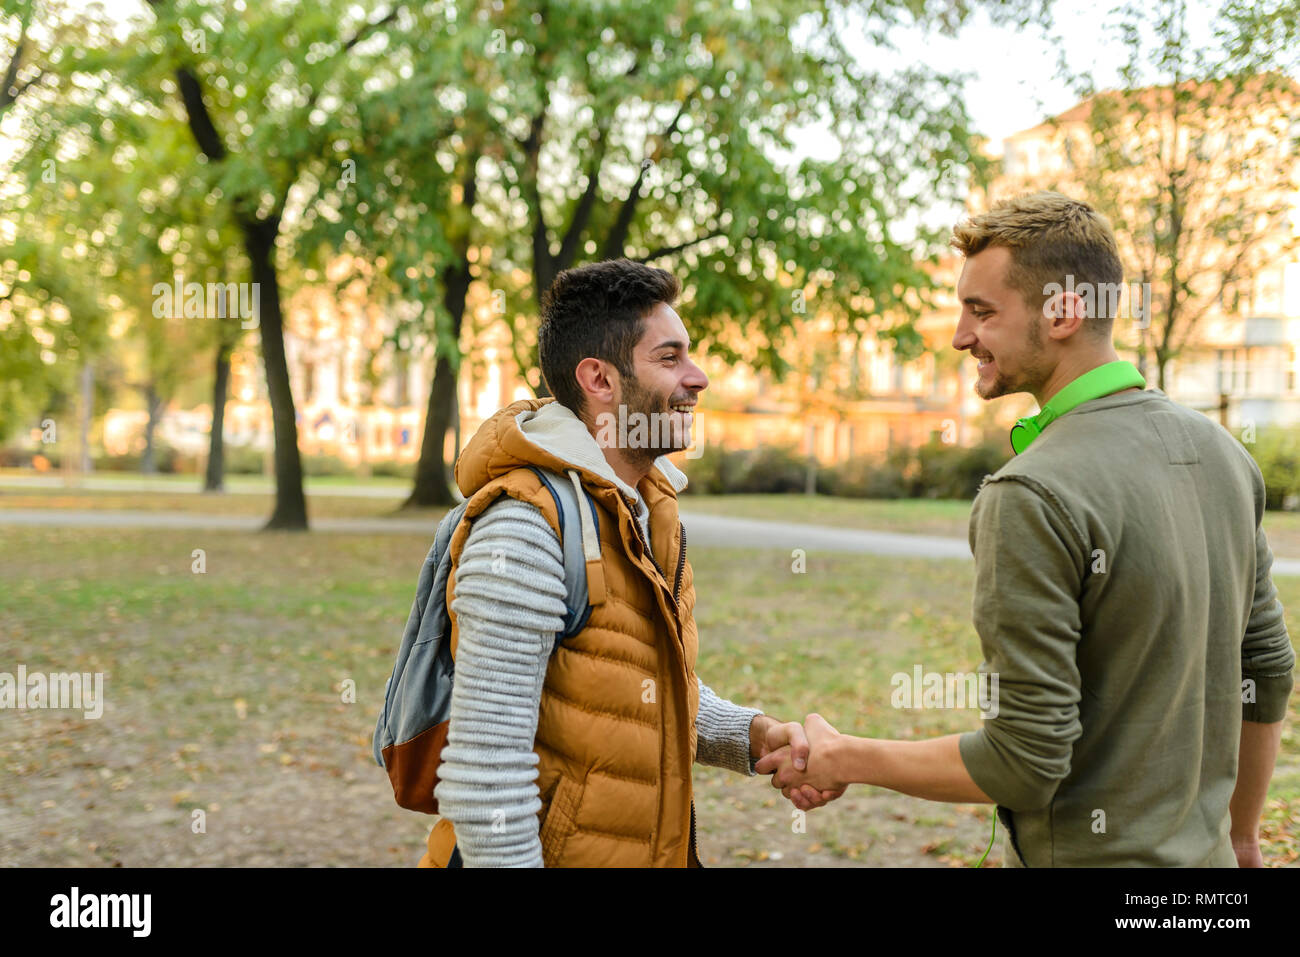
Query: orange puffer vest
point(616, 727)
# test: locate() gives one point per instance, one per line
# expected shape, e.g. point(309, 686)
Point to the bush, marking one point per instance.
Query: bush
point(934, 470)
point(14, 457)
point(1277, 453)
point(390, 468)
point(167, 461)
point(772, 471)
point(320, 466)
point(951, 471)
point(243, 460)
point(768, 470)
point(869, 477)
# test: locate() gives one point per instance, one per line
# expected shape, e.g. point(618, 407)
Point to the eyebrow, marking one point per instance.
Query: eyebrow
point(670, 344)
point(976, 301)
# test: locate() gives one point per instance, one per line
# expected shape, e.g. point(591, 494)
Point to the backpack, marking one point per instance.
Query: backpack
point(412, 727)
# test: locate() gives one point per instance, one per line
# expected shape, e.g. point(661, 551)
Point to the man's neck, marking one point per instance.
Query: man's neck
point(1070, 369)
point(629, 472)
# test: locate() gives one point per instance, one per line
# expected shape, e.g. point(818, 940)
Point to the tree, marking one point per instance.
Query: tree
point(1193, 161)
point(111, 172)
point(51, 319)
point(671, 140)
point(510, 118)
point(261, 92)
point(404, 206)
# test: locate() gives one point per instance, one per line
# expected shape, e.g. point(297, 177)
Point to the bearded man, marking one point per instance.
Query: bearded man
point(578, 753)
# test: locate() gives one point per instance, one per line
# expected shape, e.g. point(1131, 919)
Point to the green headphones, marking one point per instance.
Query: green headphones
point(1103, 380)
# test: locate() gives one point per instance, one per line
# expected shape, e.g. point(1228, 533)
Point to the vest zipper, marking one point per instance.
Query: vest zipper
point(692, 850)
point(681, 564)
point(681, 558)
point(636, 527)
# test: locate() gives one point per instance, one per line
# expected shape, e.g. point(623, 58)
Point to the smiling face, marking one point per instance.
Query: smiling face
point(664, 386)
point(999, 329)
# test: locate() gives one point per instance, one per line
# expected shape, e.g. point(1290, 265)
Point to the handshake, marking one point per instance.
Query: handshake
point(800, 758)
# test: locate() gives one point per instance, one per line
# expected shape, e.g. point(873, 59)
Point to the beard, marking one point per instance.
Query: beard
point(1033, 365)
point(663, 431)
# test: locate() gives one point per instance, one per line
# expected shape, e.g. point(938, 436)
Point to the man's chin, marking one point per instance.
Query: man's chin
point(995, 389)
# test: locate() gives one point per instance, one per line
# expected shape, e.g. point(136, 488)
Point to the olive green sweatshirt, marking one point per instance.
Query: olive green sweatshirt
point(1123, 598)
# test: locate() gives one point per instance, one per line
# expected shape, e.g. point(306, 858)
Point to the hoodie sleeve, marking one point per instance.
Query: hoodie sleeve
point(722, 733)
point(509, 604)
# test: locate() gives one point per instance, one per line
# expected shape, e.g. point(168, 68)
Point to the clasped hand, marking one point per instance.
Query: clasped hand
point(797, 758)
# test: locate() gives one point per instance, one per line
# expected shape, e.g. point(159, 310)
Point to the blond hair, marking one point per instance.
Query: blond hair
point(1050, 237)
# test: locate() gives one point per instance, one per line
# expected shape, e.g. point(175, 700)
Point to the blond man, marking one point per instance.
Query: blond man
point(1122, 589)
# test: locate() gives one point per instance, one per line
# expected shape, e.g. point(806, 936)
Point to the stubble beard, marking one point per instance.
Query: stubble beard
point(638, 399)
point(1030, 380)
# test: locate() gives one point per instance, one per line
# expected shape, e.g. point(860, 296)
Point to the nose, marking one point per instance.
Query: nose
point(964, 337)
point(695, 379)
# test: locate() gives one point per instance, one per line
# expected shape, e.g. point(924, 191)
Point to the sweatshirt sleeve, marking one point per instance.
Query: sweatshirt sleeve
point(509, 603)
point(1028, 570)
point(1267, 658)
point(722, 733)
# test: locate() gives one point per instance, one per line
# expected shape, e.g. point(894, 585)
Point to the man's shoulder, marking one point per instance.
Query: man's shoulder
point(1113, 435)
point(506, 512)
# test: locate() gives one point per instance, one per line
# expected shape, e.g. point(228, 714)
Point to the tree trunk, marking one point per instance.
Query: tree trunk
point(215, 478)
point(431, 487)
point(290, 503)
point(148, 465)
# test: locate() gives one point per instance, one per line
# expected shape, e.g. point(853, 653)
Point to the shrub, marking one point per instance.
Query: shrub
point(934, 470)
point(243, 460)
point(869, 477)
point(391, 468)
point(167, 461)
point(768, 470)
point(951, 471)
point(320, 466)
point(1276, 451)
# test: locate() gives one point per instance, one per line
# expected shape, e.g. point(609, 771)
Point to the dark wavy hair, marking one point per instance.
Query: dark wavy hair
point(597, 311)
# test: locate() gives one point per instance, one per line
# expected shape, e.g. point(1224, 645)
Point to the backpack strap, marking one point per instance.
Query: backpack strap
point(584, 575)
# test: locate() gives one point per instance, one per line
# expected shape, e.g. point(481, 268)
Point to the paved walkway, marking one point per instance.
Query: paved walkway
point(191, 484)
point(703, 530)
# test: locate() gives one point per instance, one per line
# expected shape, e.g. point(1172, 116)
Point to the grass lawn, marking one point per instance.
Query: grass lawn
point(240, 701)
point(921, 516)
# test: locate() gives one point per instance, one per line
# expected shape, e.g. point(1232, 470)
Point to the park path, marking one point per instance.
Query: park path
point(703, 531)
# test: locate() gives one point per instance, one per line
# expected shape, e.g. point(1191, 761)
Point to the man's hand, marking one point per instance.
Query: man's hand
point(767, 736)
point(801, 762)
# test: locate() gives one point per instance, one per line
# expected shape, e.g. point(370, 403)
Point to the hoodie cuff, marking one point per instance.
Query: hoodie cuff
point(722, 733)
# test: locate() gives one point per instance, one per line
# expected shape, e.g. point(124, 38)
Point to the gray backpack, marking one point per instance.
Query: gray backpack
point(412, 727)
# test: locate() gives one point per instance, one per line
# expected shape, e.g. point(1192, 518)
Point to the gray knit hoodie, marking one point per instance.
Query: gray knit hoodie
point(487, 780)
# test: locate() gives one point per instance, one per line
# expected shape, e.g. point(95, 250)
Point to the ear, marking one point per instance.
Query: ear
point(1065, 313)
point(598, 381)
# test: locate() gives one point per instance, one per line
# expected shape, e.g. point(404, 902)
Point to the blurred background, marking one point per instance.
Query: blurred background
point(289, 255)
